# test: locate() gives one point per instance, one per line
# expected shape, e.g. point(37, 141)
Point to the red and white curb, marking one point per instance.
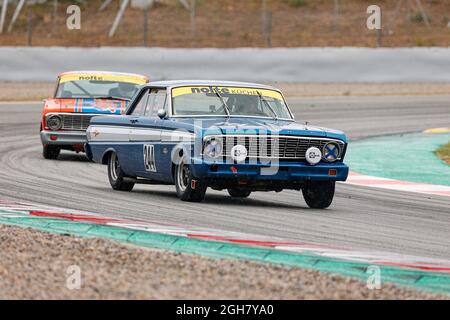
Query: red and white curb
point(22, 210)
point(399, 185)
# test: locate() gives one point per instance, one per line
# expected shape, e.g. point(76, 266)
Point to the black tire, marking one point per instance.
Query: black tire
point(239, 193)
point(319, 194)
point(50, 152)
point(184, 181)
point(116, 175)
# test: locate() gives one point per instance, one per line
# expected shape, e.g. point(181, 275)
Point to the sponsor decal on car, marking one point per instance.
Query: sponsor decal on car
point(226, 90)
point(90, 105)
point(103, 77)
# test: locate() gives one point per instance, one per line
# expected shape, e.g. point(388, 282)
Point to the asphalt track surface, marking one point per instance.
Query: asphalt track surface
point(359, 218)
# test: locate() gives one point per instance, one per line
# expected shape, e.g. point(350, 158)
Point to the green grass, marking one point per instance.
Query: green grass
point(297, 3)
point(420, 16)
point(444, 153)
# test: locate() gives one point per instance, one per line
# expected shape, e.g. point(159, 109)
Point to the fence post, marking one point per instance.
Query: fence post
point(269, 29)
point(379, 36)
point(30, 26)
point(263, 17)
point(145, 25)
point(336, 15)
point(54, 16)
point(193, 14)
point(266, 25)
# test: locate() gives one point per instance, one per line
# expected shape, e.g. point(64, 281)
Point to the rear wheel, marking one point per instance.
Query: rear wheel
point(50, 152)
point(239, 193)
point(188, 188)
point(319, 194)
point(116, 175)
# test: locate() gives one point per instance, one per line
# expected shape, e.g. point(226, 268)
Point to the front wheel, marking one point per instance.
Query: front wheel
point(116, 175)
point(239, 193)
point(50, 152)
point(188, 188)
point(318, 194)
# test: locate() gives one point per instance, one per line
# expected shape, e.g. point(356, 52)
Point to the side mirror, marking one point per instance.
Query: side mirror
point(162, 113)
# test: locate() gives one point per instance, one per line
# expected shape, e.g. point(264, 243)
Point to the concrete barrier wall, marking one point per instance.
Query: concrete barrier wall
point(246, 64)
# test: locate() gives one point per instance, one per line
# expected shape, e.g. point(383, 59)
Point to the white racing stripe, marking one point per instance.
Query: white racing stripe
point(132, 134)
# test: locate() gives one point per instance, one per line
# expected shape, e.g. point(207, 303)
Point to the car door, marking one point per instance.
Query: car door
point(131, 151)
point(163, 159)
point(146, 135)
point(143, 126)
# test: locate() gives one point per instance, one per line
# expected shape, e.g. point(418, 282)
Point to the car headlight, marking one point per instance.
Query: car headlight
point(213, 148)
point(331, 151)
point(54, 122)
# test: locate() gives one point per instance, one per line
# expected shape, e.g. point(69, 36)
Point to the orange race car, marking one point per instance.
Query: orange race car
point(79, 96)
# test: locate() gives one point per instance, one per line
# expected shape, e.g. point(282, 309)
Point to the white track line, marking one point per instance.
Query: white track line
point(392, 184)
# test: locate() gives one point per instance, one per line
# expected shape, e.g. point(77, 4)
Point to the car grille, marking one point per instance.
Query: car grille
point(75, 121)
point(275, 147)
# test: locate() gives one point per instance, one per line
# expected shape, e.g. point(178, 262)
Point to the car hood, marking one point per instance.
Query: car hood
point(88, 105)
point(247, 125)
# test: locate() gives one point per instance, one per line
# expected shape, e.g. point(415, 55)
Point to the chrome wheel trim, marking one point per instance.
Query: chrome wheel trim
point(183, 174)
point(114, 167)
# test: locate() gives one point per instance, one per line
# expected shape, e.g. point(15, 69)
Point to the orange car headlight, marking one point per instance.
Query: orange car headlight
point(54, 122)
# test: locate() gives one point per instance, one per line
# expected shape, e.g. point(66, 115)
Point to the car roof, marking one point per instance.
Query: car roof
point(181, 83)
point(93, 72)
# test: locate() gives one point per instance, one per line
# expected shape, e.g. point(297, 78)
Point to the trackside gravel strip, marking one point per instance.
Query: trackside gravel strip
point(432, 275)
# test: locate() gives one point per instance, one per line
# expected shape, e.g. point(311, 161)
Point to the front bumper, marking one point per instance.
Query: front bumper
point(283, 171)
point(66, 138)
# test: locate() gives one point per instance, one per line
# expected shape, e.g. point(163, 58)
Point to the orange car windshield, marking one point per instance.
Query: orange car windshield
point(97, 89)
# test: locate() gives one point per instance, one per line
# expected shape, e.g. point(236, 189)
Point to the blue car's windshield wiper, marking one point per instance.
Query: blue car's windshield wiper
point(225, 106)
point(275, 116)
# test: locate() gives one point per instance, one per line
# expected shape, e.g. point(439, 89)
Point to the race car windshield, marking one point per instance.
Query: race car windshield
point(97, 89)
point(219, 101)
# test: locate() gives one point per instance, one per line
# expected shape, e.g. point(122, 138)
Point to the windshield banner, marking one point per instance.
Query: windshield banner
point(103, 77)
point(225, 91)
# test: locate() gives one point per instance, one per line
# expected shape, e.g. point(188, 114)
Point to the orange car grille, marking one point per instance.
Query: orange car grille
point(77, 122)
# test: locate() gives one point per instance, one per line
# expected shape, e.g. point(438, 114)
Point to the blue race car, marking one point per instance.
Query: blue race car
point(224, 135)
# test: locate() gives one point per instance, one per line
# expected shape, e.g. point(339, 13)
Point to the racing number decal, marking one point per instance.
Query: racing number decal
point(149, 157)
